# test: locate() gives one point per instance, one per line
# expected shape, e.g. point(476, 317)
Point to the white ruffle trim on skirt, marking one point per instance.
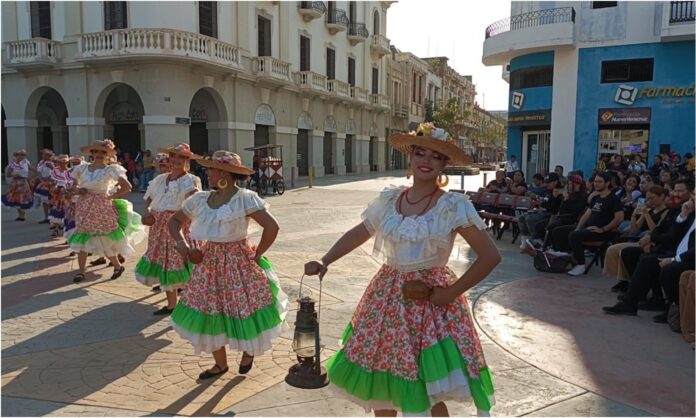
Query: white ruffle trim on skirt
point(149, 280)
point(103, 246)
point(259, 345)
point(454, 387)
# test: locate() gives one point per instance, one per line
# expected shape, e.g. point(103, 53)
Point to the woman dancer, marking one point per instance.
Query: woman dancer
point(62, 181)
point(19, 195)
point(44, 184)
point(233, 297)
point(165, 195)
point(412, 348)
point(105, 224)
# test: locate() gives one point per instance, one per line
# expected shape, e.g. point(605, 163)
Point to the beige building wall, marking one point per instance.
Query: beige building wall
point(159, 81)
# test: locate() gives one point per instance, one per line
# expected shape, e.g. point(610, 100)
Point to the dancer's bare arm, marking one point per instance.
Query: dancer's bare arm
point(270, 231)
point(351, 240)
point(174, 227)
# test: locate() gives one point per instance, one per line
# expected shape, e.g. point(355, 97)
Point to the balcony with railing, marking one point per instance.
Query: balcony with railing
point(32, 53)
point(357, 32)
point(359, 95)
point(156, 43)
point(336, 20)
point(400, 111)
point(338, 90)
point(310, 82)
point(379, 101)
point(417, 111)
point(272, 70)
point(677, 20)
point(311, 10)
point(530, 32)
point(379, 45)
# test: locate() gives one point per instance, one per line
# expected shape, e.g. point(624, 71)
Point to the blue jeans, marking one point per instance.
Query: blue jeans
point(146, 177)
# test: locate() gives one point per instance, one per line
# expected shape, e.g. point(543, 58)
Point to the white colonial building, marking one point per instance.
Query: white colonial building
point(309, 76)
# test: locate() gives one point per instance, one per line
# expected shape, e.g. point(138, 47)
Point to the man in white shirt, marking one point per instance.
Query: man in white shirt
point(511, 166)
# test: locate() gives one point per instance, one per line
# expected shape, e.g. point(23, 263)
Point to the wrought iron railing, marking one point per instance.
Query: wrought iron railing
point(358, 29)
point(337, 17)
point(531, 19)
point(317, 6)
point(681, 11)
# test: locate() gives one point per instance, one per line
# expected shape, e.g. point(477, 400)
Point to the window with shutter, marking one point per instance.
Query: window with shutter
point(375, 81)
point(207, 18)
point(115, 15)
point(330, 63)
point(351, 71)
point(304, 54)
point(40, 19)
point(264, 39)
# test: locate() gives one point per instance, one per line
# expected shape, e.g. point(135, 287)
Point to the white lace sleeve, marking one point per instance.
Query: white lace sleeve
point(375, 212)
point(116, 171)
point(461, 212)
point(194, 204)
point(252, 202)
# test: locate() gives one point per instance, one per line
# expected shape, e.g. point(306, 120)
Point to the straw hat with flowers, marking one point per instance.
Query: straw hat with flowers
point(47, 151)
point(105, 145)
point(61, 158)
point(181, 149)
point(20, 152)
point(432, 138)
point(76, 159)
point(226, 161)
point(162, 158)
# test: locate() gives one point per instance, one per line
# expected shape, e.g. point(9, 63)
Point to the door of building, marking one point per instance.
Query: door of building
point(302, 152)
point(261, 135)
point(371, 153)
point(349, 153)
point(535, 156)
point(198, 137)
point(328, 153)
point(127, 138)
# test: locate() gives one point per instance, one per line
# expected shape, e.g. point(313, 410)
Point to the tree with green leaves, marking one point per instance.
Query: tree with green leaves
point(450, 118)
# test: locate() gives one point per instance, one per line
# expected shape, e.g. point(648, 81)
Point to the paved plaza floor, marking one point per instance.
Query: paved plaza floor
point(95, 349)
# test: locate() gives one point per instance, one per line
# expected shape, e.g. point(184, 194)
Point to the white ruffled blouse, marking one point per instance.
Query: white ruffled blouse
point(418, 242)
point(229, 222)
point(171, 196)
point(101, 180)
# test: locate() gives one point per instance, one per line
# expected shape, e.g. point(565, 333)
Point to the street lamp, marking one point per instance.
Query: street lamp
point(307, 373)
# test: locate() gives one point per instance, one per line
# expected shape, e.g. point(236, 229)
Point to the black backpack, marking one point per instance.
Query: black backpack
point(550, 263)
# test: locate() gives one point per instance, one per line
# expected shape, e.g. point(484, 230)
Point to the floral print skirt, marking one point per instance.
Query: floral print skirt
point(42, 190)
point(19, 195)
point(231, 299)
point(105, 227)
point(58, 202)
point(408, 355)
point(161, 264)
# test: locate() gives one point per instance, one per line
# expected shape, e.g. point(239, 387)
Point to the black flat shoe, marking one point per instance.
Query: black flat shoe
point(620, 287)
point(20, 219)
point(99, 261)
point(621, 308)
point(244, 369)
point(78, 278)
point(654, 305)
point(117, 273)
point(210, 373)
point(157, 289)
point(163, 311)
point(121, 260)
point(45, 221)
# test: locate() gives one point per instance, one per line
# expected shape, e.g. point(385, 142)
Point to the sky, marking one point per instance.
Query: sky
point(456, 29)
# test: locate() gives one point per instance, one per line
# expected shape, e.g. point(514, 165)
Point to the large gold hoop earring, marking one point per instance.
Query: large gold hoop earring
point(409, 173)
point(441, 183)
point(222, 184)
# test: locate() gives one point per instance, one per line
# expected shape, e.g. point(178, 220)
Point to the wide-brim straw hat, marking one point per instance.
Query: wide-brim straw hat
point(20, 152)
point(162, 158)
point(181, 149)
point(61, 158)
point(47, 151)
point(427, 136)
point(105, 145)
point(77, 159)
point(226, 161)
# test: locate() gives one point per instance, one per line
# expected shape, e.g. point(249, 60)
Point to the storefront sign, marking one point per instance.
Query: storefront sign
point(264, 116)
point(624, 116)
point(199, 115)
point(182, 121)
point(124, 112)
point(530, 118)
point(517, 100)
point(627, 94)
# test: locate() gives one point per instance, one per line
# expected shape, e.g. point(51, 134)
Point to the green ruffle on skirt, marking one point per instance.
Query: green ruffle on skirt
point(435, 363)
point(125, 227)
point(146, 268)
point(237, 328)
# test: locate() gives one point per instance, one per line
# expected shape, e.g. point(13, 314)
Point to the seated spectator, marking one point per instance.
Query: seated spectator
point(546, 204)
point(617, 163)
point(677, 166)
point(500, 184)
point(518, 186)
point(644, 220)
point(572, 207)
point(511, 166)
point(637, 166)
point(663, 268)
point(596, 224)
point(544, 172)
point(559, 172)
point(537, 187)
point(629, 199)
point(665, 178)
point(690, 162)
point(658, 166)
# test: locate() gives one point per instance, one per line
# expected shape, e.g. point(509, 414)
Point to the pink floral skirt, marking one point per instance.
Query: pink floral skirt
point(19, 195)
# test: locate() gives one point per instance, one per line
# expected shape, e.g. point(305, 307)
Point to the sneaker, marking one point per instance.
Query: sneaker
point(537, 243)
point(523, 241)
point(578, 270)
point(620, 287)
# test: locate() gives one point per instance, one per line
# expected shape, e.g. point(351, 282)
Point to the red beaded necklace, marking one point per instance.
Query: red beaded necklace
point(404, 194)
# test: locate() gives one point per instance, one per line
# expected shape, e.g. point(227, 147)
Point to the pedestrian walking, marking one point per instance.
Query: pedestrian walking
point(411, 343)
point(19, 195)
point(233, 297)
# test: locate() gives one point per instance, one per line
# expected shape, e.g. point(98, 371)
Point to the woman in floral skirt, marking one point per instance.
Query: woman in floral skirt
point(44, 184)
point(105, 223)
point(62, 181)
point(411, 344)
point(69, 219)
point(233, 297)
point(19, 195)
point(165, 194)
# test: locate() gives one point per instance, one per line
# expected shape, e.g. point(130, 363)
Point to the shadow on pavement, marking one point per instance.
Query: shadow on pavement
point(207, 408)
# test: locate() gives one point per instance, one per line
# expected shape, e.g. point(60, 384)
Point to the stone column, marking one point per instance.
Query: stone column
point(316, 153)
point(21, 134)
point(83, 131)
point(340, 154)
point(236, 137)
point(362, 145)
point(162, 131)
point(380, 152)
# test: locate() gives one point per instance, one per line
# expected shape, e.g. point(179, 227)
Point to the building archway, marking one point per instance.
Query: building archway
point(122, 109)
point(47, 107)
point(207, 109)
point(264, 118)
point(305, 126)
